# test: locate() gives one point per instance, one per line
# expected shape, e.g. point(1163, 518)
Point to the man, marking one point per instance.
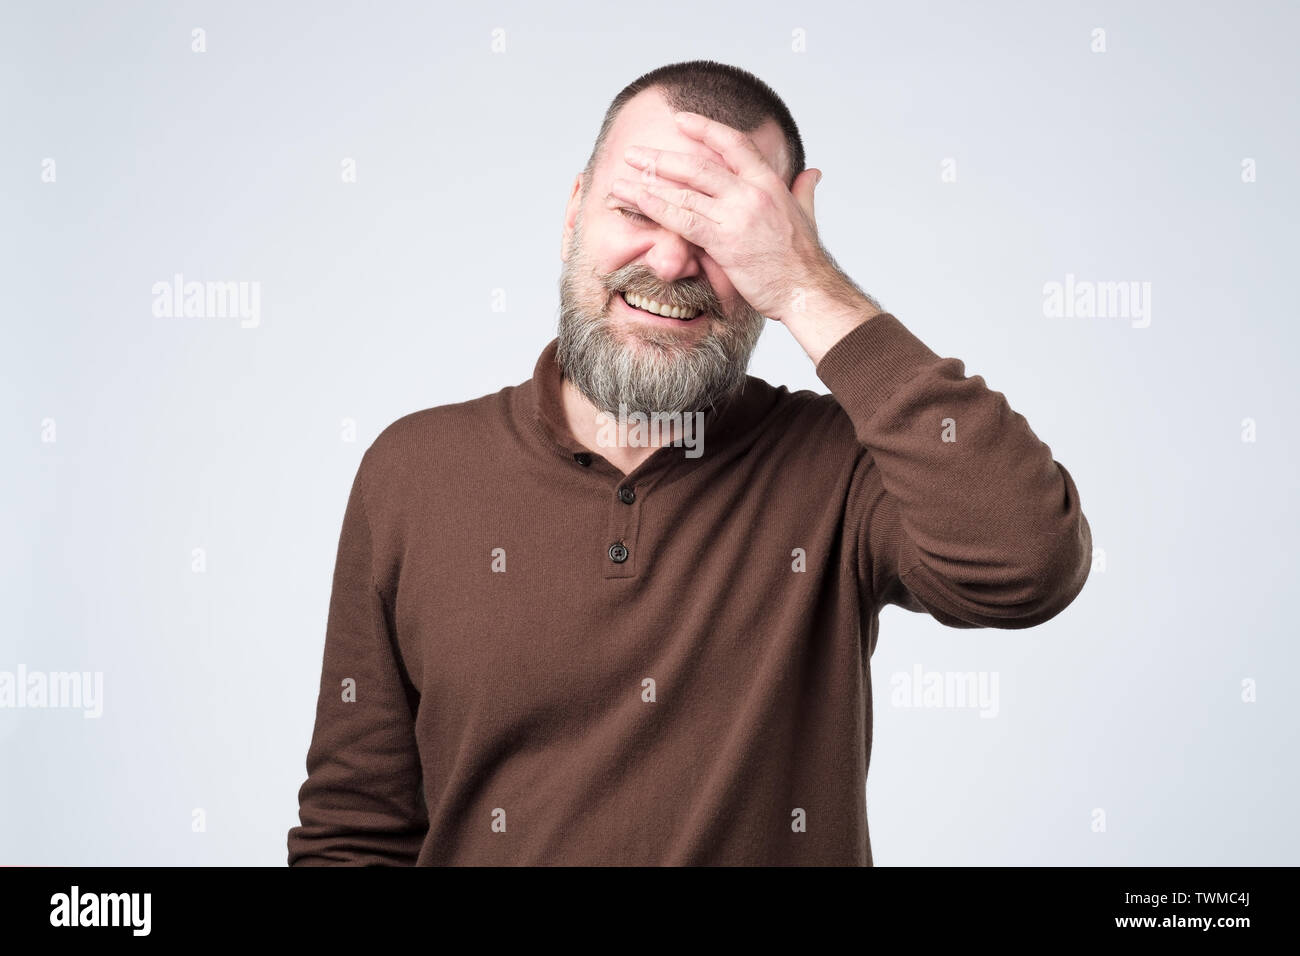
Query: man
point(623, 612)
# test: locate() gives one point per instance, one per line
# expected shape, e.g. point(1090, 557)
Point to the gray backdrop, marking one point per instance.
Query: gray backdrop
point(173, 486)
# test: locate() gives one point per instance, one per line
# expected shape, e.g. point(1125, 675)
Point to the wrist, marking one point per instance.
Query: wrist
point(824, 312)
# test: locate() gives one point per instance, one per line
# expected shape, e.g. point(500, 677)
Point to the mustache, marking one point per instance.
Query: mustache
point(694, 297)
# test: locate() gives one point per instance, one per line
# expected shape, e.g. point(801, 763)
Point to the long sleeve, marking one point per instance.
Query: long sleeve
point(362, 802)
point(958, 510)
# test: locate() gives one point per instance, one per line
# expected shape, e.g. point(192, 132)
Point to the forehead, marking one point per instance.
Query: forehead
point(647, 120)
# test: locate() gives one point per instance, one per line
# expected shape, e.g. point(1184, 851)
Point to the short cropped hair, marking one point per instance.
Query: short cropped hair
point(721, 92)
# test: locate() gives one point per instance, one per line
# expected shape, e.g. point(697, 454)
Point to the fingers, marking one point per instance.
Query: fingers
point(700, 173)
point(661, 203)
point(736, 148)
point(684, 198)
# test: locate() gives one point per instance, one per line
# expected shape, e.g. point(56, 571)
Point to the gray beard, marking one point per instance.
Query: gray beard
point(665, 376)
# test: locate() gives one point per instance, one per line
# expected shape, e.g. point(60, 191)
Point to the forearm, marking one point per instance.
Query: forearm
point(825, 309)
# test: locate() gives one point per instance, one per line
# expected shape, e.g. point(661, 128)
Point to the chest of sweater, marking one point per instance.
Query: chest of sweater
point(532, 621)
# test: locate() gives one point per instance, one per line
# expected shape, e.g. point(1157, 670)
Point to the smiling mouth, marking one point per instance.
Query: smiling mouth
point(642, 304)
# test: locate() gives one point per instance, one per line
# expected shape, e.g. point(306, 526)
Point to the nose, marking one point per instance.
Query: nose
point(674, 258)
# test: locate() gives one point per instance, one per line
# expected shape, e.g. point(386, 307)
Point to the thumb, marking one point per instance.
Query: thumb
point(804, 185)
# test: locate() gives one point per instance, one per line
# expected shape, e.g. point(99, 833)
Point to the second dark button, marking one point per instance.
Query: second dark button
point(626, 495)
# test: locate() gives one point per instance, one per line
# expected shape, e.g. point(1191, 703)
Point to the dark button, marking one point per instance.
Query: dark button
point(617, 553)
point(626, 495)
point(582, 458)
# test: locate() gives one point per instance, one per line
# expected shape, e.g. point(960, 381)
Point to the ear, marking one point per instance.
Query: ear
point(570, 216)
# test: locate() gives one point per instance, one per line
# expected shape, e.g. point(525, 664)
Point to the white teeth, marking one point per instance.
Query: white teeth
point(650, 305)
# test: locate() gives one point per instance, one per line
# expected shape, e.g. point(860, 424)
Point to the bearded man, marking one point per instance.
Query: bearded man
point(547, 646)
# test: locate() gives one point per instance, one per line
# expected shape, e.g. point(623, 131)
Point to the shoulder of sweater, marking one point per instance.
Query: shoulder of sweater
point(800, 416)
point(439, 429)
point(780, 402)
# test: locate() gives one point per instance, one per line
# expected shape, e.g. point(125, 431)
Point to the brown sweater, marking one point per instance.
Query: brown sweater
point(499, 689)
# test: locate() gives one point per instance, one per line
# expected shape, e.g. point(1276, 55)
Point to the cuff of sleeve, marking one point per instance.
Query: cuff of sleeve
point(870, 363)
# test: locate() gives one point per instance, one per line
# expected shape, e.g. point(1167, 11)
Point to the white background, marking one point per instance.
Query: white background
point(376, 300)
